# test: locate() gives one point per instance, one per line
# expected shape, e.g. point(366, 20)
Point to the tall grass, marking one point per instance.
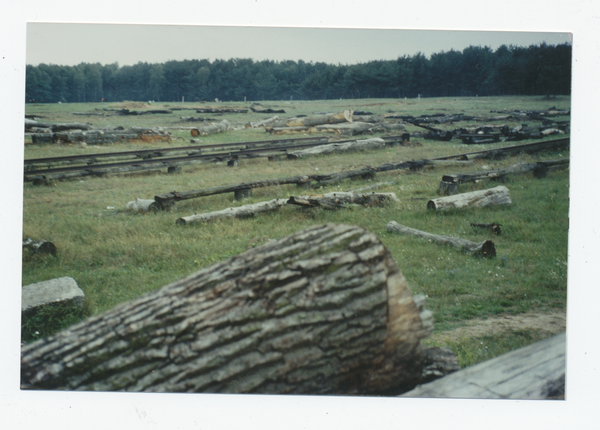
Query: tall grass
point(116, 256)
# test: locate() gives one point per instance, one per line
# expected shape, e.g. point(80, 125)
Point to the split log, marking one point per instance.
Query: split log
point(485, 248)
point(475, 199)
point(40, 246)
point(340, 200)
point(211, 129)
point(245, 211)
point(323, 311)
point(535, 372)
point(309, 121)
point(357, 145)
point(141, 205)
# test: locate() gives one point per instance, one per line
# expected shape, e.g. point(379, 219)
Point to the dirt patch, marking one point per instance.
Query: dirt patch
point(552, 322)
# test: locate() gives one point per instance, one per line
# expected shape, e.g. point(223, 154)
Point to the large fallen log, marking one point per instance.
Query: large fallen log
point(323, 311)
point(357, 145)
point(309, 121)
point(485, 248)
point(244, 211)
point(29, 124)
point(535, 372)
point(338, 200)
point(211, 129)
point(492, 196)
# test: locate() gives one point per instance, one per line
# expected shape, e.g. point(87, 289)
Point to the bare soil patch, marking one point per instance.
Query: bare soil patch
point(552, 322)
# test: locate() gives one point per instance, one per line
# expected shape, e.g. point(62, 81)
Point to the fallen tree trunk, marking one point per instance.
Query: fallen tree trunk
point(263, 122)
point(269, 110)
point(485, 248)
point(309, 121)
point(477, 199)
point(323, 311)
point(357, 145)
point(56, 127)
point(211, 129)
point(244, 211)
point(535, 372)
point(290, 130)
point(340, 200)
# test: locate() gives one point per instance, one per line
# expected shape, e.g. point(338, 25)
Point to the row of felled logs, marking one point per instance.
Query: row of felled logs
point(99, 137)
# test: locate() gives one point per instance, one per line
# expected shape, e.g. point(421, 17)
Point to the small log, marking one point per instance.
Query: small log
point(40, 246)
point(485, 248)
point(535, 372)
point(338, 200)
point(357, 145)
point(346, 129)
point(245, 211)
point(263, 122)
point(494, 227)
point(290, 130)
point(323, 311)
point(492, 196)
point(211, 129)
point(141, 205)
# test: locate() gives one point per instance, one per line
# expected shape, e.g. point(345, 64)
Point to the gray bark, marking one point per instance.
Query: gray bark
point(492, 196)
point(535, 372)
point(244, 211)
point(313, 120)
point(323, 311)
point(357, 145)
point(485, 248)
point(211, 129)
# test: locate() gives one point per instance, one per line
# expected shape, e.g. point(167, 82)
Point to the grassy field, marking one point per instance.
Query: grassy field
point(116, 256)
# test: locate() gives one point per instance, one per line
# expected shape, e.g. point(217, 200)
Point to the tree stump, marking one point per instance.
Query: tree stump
point(323, 311)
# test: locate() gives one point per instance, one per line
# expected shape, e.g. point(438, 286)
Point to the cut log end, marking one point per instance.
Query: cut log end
point(488, 249)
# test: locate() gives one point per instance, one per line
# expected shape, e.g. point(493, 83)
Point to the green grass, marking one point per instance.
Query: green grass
point(116, 256)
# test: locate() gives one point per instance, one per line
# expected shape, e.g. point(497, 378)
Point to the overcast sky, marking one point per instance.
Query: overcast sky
point(71, 44)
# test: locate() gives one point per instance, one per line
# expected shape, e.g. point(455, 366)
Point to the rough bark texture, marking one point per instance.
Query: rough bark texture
point(244, 211)
point(211, 129)
point(485, 248)
point(357, 145)
point(141, 205)
point(310, 121)
point(492, 196)
point(340, 200)
point(536, 371)
point(323, 311)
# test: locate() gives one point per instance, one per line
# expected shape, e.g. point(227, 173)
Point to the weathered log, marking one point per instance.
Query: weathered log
point(338, 200)
point(211, 129)
point(244, 211)
point(535, 372)
point(357, 145)
point(492, 196)
point(313, 120)
point(485, 248)
point(368, 118)
point(346, 129)
point(494, 227)
point(141, 205)
point(290, 130)
point(323, 311)
point(263, 122)
point(56, 127)
point(41, 246)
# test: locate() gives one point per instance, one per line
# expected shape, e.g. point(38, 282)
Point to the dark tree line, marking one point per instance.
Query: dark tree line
point(509, 70)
